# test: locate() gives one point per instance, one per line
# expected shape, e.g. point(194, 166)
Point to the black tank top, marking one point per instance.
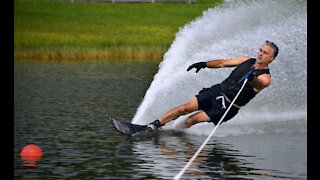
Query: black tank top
point(230, 87)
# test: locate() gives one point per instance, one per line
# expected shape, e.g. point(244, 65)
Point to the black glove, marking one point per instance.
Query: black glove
point(198, 66)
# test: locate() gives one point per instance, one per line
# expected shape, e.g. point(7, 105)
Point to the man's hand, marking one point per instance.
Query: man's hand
point(198, 66)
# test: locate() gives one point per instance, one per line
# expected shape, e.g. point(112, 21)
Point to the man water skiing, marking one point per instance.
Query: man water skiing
point(211, 103)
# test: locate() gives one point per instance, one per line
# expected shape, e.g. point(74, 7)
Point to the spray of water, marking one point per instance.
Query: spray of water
point(234, 29)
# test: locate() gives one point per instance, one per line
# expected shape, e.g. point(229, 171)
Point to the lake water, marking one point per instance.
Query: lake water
point(66, 108)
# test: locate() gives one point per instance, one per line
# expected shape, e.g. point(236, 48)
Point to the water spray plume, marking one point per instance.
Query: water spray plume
point(235, 29)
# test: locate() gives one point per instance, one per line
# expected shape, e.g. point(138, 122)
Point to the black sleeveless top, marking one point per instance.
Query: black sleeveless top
point(230, 87)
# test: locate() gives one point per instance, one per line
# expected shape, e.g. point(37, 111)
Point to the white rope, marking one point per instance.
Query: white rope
point(176, 177)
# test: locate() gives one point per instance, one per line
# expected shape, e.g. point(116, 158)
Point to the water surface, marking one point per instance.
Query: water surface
point(65, 108)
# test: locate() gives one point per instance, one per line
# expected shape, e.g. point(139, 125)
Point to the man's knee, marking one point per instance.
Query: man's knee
point(191, 120)
point(198, 117)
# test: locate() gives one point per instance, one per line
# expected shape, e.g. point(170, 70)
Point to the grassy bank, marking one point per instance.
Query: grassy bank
point(65, 30)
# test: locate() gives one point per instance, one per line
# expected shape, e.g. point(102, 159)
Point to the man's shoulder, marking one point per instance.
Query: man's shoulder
point(242, 59)
point(264, 80)
point(252, 59)
point(247, 59)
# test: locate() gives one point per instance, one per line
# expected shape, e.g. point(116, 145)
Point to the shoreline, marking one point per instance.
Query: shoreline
point(92, 55)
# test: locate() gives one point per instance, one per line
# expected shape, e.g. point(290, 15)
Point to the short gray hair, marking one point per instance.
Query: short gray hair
point(274, 47)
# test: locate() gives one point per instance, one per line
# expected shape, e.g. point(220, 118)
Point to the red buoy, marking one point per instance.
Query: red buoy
point(31, 153)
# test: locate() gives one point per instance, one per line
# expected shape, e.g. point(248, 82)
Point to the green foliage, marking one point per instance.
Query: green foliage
point(66, 27)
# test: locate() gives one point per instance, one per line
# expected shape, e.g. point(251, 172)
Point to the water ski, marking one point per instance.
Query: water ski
point(130, 129)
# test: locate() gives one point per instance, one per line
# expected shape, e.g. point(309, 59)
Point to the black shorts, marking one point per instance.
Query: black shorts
point(210, 101)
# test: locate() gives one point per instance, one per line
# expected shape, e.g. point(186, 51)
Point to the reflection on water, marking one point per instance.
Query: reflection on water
point(66, 109)
point(165, 154)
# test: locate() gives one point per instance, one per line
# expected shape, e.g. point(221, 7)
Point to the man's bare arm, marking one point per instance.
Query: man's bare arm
point(220, 63)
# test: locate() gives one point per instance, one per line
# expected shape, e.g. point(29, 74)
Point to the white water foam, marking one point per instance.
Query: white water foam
point(234, 29)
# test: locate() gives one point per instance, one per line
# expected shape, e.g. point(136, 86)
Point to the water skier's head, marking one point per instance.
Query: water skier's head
point(267, 52)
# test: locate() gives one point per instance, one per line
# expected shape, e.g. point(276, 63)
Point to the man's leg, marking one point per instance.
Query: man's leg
point(176, 112)
point(194, 119)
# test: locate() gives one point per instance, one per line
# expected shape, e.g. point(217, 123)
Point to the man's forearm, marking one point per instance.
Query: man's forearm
point(218, 63)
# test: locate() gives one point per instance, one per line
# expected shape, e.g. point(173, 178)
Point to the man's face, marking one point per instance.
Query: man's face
point(265, 54)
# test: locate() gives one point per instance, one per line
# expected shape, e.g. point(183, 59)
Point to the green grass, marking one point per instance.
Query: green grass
point(66, 30)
